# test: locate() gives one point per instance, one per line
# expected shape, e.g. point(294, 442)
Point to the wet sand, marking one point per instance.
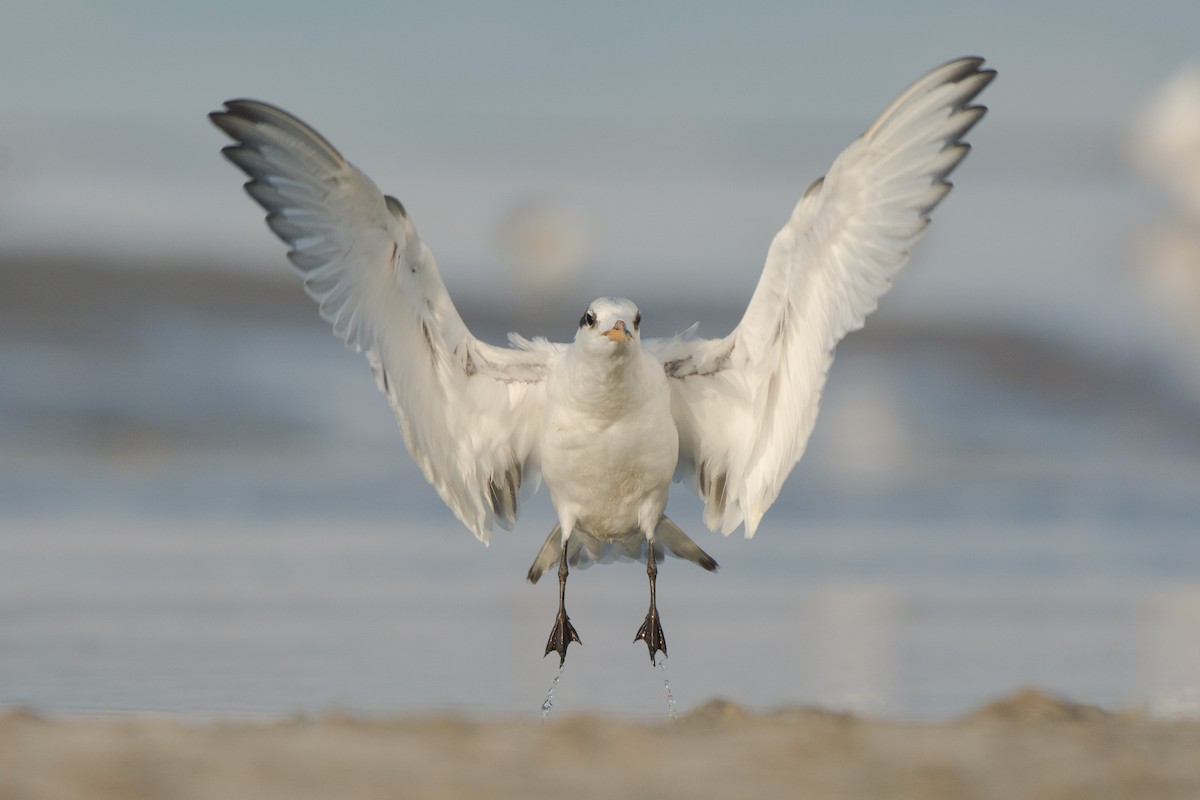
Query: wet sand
point(1028, 745)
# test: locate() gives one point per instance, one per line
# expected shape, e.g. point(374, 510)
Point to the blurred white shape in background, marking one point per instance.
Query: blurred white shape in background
point(1172, 652)
point(546, 246)
point(852, 655)
point(872, 434)
point(1166, 146)
point(1166, 141)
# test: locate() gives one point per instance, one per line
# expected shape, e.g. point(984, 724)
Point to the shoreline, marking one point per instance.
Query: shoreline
point(1029, 744)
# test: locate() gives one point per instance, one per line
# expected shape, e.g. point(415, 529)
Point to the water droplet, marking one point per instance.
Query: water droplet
point(549, 702)
point(671, 710)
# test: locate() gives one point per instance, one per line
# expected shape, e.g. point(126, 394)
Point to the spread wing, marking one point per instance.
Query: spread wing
point(746, 404)
point(467, 409)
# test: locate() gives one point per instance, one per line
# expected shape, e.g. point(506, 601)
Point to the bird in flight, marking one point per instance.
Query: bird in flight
point(609, 420)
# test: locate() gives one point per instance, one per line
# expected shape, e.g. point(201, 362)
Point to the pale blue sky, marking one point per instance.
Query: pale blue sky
point(705, 59)
point(1075, 61)
point(683, 132)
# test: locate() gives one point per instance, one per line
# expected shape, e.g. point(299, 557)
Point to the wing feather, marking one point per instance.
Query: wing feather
point(746, 404)
point(467, 410)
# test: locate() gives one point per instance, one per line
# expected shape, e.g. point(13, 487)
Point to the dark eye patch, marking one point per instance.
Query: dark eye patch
point(588, 319)
point(637, 320)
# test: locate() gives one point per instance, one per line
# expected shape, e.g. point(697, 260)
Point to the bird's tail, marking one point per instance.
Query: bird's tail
point(679, 544)
point(583, 549)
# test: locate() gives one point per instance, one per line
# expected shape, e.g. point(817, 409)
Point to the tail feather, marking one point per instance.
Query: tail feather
point(681, 545)
point(550, 553)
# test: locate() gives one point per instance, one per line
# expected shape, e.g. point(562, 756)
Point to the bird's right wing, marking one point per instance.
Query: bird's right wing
point(468, 410)
point(746, 404)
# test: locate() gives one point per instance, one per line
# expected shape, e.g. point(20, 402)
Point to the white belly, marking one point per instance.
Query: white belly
point(610, 476)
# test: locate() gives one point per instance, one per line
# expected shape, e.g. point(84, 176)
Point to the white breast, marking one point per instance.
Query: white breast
point(609, 445)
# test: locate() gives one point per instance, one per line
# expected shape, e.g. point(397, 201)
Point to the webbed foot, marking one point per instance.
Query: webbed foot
point(561, 635)
point(651, 633)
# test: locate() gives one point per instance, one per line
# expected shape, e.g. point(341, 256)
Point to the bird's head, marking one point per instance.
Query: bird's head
point(609, 326)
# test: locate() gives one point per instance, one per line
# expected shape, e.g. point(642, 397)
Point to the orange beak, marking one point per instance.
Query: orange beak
point(618, 332)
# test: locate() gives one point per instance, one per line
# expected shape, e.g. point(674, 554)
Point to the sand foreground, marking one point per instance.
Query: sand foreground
point(1029, 745)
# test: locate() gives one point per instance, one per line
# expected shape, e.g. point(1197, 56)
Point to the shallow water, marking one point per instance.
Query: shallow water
point(211, 512)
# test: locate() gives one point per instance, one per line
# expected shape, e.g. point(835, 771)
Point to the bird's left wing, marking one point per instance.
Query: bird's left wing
point(746, 404)
point(468, 410)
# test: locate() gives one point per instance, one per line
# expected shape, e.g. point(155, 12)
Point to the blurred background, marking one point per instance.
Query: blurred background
point(205, 506)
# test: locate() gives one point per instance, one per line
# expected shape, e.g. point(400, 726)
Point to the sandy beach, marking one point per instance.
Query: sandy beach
point(1027, 745)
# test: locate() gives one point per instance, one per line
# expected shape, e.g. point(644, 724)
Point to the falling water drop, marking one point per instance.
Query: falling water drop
point(662, 665)
point(549, 702)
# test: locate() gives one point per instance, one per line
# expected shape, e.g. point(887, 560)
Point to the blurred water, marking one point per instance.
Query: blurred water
point(206, 508)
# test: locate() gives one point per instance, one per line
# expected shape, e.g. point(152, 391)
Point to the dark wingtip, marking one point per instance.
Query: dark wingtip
point(395, 206)
point(219, 118)
point(238, 106)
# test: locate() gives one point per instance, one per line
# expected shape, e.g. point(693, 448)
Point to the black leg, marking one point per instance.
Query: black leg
point(563, 632)
point(651, 631)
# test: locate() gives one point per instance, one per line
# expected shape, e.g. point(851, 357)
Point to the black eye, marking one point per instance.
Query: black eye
point(637, 320)
point(588, 319)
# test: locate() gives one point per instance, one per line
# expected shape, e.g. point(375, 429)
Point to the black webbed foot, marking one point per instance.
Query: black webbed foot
point(561, 635)
point(651, 633)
